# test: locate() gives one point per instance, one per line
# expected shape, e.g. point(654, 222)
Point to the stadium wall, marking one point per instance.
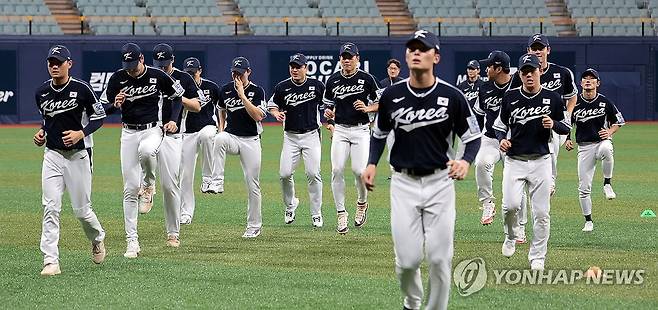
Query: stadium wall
point(628, 66)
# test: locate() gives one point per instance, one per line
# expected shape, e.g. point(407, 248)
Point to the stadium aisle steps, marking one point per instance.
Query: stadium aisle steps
point(561, 18)
point(230, 9)
point(402, 23)
point(66, 15)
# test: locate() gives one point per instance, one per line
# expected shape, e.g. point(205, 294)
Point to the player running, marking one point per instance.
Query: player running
point(349, 96)
point(242, 104)
point(171, 149)
point(71, 113)
point(425, 113)
point(296, 102)
point(199, 136)
point(136, 89)
point(528, 115)
point(596, 119)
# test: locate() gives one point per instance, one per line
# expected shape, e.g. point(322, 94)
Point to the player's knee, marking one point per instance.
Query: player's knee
point(337, 172)
point(313, 177)
point(440, 259)
point(511, 205)
point(285, 175)
point(409, 261)
point(541, 216)
point(221, 138)
point(147, 150)
point(82, 213)
point(130, 192)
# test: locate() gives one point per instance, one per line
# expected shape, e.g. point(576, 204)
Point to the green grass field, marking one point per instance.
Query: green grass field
point(298, 267)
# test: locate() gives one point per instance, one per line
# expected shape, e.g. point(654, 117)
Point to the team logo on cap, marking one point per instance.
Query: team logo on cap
point(127, 57)
point(190, 63)
point(420, 34)
point(527, 58)
point(536, 37)
point(56, 50)
point(237, 63)
point(160, 55)
point(347, 47)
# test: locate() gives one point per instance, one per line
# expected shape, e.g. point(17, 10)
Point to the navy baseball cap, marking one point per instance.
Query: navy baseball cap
point(130, 53)
point(59, 52)
point(240, 65)
point(349, 48)
point(590, 72)
point(192, 64)
point(425, 37)
point(298, 59)
point(163, 55)
point(473, 64)
point(529, 60)
point(538, 38)
point(498, 58)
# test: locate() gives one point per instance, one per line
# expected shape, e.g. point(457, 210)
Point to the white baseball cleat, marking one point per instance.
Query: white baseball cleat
point(132, 249)
point(173, 241)
point(204, 187)
point(289, 217)
point(317, 221)
point(361, 216)
point(589, 226)
point(520, 236)
point(186, 219)
point(537, 264)
point(609, 193)
point(98, 252)
point(341, 226)
point(251, 233)
point(145, 199)
point(488, 213)
point(215, 188)
point(509, 247)
point(50, 270)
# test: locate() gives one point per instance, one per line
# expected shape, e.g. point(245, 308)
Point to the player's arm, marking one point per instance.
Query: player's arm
point(257, 113)
point(477, 109)
point(557, 120)
point(373, 96)
point(467, 127)
point(273, 105)
point(192, 96)
point(383, 126)
point(112, 97)
point(95, 112)
point(501, 126)
point(614, 118)
point(40, 136)
point(329, 106)
point(570, 91)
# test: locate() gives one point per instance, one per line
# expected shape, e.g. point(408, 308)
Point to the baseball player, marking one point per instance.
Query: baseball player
point(349, 96)
point(171, 149)
point(199, 136)
point(470, 89)
point(487, 105)
point(425, 113)
point(555, 78)
point(136, 90)
point(296, 102)
point(71, 113)
point(393, 70)
point(596, 119)
point(243, 106)
point(528, 115)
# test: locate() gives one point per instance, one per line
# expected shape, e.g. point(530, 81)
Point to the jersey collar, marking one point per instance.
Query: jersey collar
point(302, 84)
point(421, 95)
point(590, 101)
point(533, 96)
point(52, 86)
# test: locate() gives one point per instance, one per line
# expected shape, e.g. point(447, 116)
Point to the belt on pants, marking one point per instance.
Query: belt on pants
point(354, 125)
point(417, 172)
point(140, 126)
point(526, 157)
point(299, 132)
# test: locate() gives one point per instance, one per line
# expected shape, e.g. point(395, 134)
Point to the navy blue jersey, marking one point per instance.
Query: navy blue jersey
point(142, 104)
point(191, 91)
point(301, 103)
point(487, 104)
point(196, 121)
point(342, 91)
point(425, 123)
point(590, 116)
point(521, 118)
point(67, 107)
point(470, 89)
point(238, 121)
point(388, 81)
point(555, 78)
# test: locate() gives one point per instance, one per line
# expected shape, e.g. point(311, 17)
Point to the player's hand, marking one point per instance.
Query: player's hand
point(331, 130)
point(71, 137)
point(604, 134)
point(568, 145)
point(280, 116)
point(547, 122)
point(368, 177)
point(170, 127)
point(505, 145)
point(329, 113)
point(119, 99)
point(458, 169)
point(39, 138)
point(239, 86)
point(360, 106)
